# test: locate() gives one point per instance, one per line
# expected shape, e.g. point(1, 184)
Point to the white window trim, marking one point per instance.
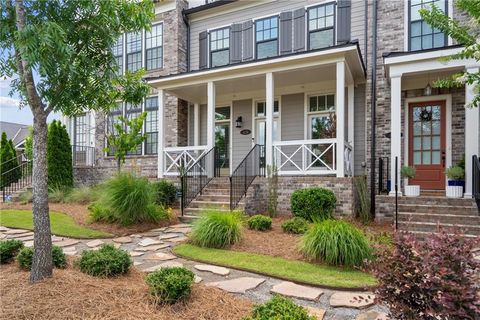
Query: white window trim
point(277, 116)
point(307, 30)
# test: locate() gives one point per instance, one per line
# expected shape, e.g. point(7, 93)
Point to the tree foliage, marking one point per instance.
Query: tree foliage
point(9, 168)
point(59, 156)
point(463, 33)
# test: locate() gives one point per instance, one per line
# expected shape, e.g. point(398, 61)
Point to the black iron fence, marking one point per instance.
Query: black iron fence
point(83, 156)
point(16, 179)
point(476, 180)
point(196, 177)
point(383, 175)
point(247, 170)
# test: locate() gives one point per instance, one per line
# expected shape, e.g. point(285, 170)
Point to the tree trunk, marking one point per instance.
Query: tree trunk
point(42, 241)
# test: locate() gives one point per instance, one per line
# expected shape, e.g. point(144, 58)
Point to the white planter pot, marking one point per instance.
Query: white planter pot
point(454, 191)
point(412, 191)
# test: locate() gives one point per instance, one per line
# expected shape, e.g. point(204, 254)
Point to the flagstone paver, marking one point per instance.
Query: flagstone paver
point(27, 238)
point(122, 240)
point(148, 242)
point(239, 285)
point(16, 231)
point(372, 315)
point(180, 239)
point(28, 244)
point(67, 243)
point(94, 243)
point(168, 264)
point(152, 248)
point(213, 269)
point(179, 230)
point(197, 279)
point(2, 228)
point(352, 299)
point(316, 312)
point(290, 289)
point(180, 225)
point(137, 263)
point(168, 236)
point(160, 256)
point(136, 253)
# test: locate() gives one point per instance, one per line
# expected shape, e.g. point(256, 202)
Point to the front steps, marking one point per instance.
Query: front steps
point(425, 214)
point(216, 195)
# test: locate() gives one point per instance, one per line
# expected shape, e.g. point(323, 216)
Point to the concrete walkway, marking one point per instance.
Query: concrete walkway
point(151, 251)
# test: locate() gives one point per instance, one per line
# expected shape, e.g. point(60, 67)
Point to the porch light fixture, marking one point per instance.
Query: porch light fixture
point(428, 90)
point(238, 122)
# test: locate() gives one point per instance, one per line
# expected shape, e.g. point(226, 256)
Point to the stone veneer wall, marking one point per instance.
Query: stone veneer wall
point(257, 195)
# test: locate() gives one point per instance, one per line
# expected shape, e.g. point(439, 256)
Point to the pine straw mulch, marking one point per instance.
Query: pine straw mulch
point(81, 215)
point(70, 294)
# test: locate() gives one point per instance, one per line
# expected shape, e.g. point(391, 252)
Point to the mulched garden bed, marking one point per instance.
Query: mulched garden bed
point(71, 294)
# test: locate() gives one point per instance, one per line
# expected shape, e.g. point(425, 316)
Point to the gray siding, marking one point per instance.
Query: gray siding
point(292, 114)
point(358, 23)
point(359, 125)
point(241, 144)
point(203, 124)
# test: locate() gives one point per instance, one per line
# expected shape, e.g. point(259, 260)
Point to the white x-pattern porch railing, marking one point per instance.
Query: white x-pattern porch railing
point(306, 157)
point(176, 158)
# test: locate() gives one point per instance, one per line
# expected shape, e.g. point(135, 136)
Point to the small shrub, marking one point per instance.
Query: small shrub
point(313, 204)
point(9, 249)
point(217, 229)
point(57, 195)
point(336, 242)
point(106, 262)
point(362, 199)
point(432, 279)
point(165, 193)
point(25, 258)
point(279, 308)
point(170, 284)
point(455, 173)
point(25, 197)
point(81, 195)
point(260, 223)
point(408, 172)
point(296, 225)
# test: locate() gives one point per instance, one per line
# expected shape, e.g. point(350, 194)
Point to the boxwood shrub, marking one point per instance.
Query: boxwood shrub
point(25, 258)
point(217, 229)
point(170, 284)
point(165, 193)
point(313, 204)
point(106, 262)
point(279, 308)
point(259, 222)
point(9, 249)
point(296, 225)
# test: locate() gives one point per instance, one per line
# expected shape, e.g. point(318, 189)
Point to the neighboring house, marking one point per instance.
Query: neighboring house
point(17, 132)
point(296, 78)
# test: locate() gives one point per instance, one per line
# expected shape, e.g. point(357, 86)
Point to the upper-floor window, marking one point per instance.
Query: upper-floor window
point(266, 37)
point(219, 47)
point(154, 47)
point(321, 26)
point(117, 51)
point(134, 51)
point(422, 35)
point(151, 125)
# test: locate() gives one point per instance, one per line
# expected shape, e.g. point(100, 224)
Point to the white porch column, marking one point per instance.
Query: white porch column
point(340, 105)
point(472, 143)
point(196, 124)
point(161, 133)
point(210, 115)
point(269, 119)
point(396, 131)
point(351, 122)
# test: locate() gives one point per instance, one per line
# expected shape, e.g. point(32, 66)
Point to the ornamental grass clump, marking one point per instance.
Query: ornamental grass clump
point(25, 258)
point(82, 195)
point(336, 242)
point(313, 204)
point(170, 284)
point(9, 249)
point(106, 262)
point(217, 229)
point(279, 308)
point(259, 223)
point(296, 225)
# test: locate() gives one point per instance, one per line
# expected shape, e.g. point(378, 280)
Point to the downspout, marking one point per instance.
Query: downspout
point(373, 109)
point(365, 53)
point(187, 24)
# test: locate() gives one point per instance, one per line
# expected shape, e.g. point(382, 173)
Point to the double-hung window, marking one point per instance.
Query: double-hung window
point(322, 125)
point(81, 130)
point(266, 37)
point(422, 35)
point(112, 119)
point(219, 47)
point(151, 125)
point(134, 51)
point(154, 47)
point(321, 26)
point(260, 122)
point(132, 111)
point(117, 51)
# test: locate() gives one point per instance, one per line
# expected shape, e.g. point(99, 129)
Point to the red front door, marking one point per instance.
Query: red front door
point(427, 144)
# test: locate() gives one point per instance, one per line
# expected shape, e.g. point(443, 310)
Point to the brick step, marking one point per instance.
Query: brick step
point(198, 211)
point(209, 204)
point(433, 227)
point(440, 218)
point(428, 201)
point(438, 209)
point(205, 197)
point(187, 218)
point(216, 192)
point(423, 234)
point(218, 186)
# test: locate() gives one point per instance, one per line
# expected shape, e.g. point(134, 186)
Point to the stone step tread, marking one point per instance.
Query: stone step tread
point(439, 215)
point(446, 206)
point(426, 233)
point(460, 226)
point(211, 201)
point(189, 209)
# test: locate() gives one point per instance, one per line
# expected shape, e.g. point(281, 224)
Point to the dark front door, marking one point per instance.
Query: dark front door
point(427, 144)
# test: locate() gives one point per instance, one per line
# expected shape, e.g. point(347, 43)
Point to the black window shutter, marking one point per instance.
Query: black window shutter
point(236, 43)
point(299, 30)
point(247, 32)
point(285, 32)
point(203, 54)
point(344, 21)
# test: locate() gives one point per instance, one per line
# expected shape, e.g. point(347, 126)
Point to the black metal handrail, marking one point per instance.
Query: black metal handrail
point(247, 170)
point(196, 177)
point(83, 156)
point(383, 173)
point(476, 180)
point(16, 179)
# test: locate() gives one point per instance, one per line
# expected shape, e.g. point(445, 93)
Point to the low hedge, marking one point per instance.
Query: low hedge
point(9, 249)
point(313, 204)
point(106, 262)
point(259, 222)
point(170, 284)
point(279, 308)
point(25, 258)
point(296, 225)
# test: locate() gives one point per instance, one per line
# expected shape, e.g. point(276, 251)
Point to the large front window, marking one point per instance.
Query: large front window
point(219, 47)
point(81, 130)
point(266, 36)
point(321, 125)
point(422, 35)
point(134, 51)
point(151, 125)
point(321, 26)
point(154, 47)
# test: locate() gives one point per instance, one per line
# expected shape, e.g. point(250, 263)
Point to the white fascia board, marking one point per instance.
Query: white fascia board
point(416, 56)
point(215, 12)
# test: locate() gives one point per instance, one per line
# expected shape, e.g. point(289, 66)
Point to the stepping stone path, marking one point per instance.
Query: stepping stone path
point(28, 244)
point(148, 242)
point(67, 243)
point(180, 239)
point(168, 264)
point(213, 269)
point(179, 230)
point(316, 312)
point(197, 279)
point(168, 236)
point(122, 240)
point(136, 253)
point(160, 256)
point(372, 315)
point(290, 289)
point(152, 248)
point(352, 300)
point(16, 231)
point(239, 285)
point(94, 243)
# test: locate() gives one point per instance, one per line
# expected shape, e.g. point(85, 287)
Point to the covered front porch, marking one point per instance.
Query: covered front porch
point(301, 108)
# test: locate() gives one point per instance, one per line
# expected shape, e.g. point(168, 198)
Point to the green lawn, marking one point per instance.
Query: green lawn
point(61, 224)
point(293, 270)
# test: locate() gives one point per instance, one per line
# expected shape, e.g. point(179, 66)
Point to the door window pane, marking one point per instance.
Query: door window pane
point(426, 157)
point(426, 143)
point(417, 157)
point(222, 113)
point(435, 157)
point(417, 143)
point(436, 142)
